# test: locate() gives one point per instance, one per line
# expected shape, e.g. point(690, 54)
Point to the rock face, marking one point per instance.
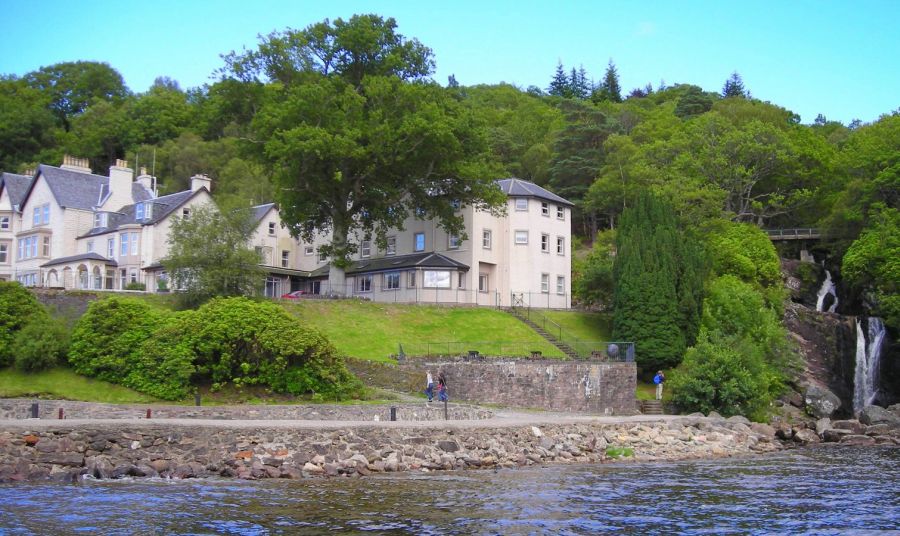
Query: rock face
point(878, 415)
point(41, 450)
point(821, 402)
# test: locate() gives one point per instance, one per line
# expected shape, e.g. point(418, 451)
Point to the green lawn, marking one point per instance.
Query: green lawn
point(374, 331)
point(584, 326)
point(63, 384)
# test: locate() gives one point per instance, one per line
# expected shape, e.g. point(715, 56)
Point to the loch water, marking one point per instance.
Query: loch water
point(824, 490)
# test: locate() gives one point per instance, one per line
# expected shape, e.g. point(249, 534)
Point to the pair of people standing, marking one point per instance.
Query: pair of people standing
point(441, 387)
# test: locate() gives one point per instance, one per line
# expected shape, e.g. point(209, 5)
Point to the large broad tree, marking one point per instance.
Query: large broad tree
point(357, 135)
point(75, 85)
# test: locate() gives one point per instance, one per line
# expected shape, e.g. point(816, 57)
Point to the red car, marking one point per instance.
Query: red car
point(294, 295)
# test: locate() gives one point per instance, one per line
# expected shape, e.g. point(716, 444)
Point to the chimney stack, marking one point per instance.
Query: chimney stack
point(73, 163)
point(201, 181)
point(148, 182)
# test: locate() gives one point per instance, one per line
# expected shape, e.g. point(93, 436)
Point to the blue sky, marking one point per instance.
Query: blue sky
point(835, 58)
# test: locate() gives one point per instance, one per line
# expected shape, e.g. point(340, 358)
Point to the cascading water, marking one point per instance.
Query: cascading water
point(868, 354)
point(826, 289)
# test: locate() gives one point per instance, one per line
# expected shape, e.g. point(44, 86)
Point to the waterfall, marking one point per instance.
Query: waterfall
point(827, 288)
point(868, 353)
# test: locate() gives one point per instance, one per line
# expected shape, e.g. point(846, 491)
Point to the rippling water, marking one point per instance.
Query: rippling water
point(822, 491)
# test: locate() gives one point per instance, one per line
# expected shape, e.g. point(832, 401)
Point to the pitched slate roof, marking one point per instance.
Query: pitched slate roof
point(73, 189)
point(83, 257)
point(16, 186)
point(520, 188)
point(427, 259)
point(162, 207)
point(259, 211)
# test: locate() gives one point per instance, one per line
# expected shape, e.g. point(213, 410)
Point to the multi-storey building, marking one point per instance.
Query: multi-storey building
point(67, 227)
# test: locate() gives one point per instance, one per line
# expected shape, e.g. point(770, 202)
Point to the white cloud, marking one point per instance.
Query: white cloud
point(645, 28)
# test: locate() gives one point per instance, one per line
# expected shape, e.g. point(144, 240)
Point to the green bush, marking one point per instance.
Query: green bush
point(724, 374)
point(744, 250)
point(17, 308)
point(134, 285)
point(42, 344)
point(106, 337)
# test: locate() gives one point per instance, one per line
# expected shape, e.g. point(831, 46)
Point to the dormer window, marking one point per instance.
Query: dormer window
point(139, 211)
point(100, 219)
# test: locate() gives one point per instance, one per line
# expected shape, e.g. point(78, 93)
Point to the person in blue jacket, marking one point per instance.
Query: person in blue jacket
point(659, 379)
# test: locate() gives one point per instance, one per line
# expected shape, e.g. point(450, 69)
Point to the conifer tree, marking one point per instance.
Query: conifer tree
point(658, 284)
point(559, 84)
point(734, 87)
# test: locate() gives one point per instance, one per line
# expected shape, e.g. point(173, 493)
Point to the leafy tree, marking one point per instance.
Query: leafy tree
point(74, 86)
point(734, 87)
point(18, 308)
point(27, 126)
point(209, 255)
point(745, 251)
point(592, 277)
point(358, 138)
point(693, 102)
point(42, 344)
point(872, 263)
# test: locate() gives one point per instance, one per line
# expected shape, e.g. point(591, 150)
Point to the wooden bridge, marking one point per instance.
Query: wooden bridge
point(804, 233)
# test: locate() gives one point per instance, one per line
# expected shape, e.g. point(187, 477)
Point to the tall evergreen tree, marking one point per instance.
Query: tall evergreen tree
point(658, 284)
point(559, 84)
point(734, 87)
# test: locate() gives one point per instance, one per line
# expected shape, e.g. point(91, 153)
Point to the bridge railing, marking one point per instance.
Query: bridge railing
point(798, 233)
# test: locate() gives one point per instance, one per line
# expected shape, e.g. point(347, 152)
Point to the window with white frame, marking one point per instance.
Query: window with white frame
point(522, 204)
point(461, 280)
point(41, 215)
point(365, 248)
point(521, 237)
point(560, 212)
point(453, 241)
point(411, 279)
point(545, 282)
point(545, 209)
point(123, 278)
point(90, 246)
point(486, 239)
point(110, 248)
point(100, 219)
point(28, 247)
point(271, 228)
point(45, 250)
point(139, 211)
point(123, 240)
point(4, 223)
point(4, 252)
point(134, 243)
point(483, 283)
point(419, 242)
point(545, 243)
point(365, 283)
point(321, 257)
point(285, 258)
point(560, 245)
point(560, 284)
point(186, 213)
point(392, 280)
point(309, 250)
point(133, 276)
point(391, 248)
point(436, 279)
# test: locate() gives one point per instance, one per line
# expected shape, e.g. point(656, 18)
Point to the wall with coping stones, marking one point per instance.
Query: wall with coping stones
point(597, 387)
point(56, 450)
point(49, 409)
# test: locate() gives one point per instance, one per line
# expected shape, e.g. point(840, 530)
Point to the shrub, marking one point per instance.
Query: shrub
point(107, 335)
point(744, 250)
point(17, 308)
point(134, 285)
point(41, 344)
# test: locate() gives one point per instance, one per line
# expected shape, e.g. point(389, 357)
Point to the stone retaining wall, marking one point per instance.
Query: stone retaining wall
point(49, 409)
point(57, 450)
point(606, 388)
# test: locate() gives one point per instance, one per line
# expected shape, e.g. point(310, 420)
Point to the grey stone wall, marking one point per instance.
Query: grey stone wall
point(549, 384)
point(49, 409)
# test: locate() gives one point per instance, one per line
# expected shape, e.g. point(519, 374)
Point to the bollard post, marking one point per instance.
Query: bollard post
point(61, 414)
point(446, 417)
point(197, 398)
point(393, 413)
point(149, 413)
point(34, 410)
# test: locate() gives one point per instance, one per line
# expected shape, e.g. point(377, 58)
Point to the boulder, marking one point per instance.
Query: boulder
point(852, 425)
point(834, 435)
point(878, 415)
point(821, 402)
point(714, 415)
point(739, 419)
point(822, 425)
point(879, 429)
point(859, 440)
point(763, 430)
point(895, 409)
point(806, 436)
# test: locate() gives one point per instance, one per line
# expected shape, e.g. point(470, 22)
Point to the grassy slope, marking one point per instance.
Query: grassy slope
point(370, 330)
point(61, 383)
point(584, 326)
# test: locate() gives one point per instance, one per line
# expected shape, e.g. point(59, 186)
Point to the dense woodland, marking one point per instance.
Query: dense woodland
point(672, 184)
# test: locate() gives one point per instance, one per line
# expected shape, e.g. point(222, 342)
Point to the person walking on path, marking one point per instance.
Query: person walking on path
point(429, 386)
point(442, 388)
point(659, 379)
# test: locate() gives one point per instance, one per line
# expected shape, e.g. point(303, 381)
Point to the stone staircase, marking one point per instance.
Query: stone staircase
point(652, 407)
point(563, 347)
